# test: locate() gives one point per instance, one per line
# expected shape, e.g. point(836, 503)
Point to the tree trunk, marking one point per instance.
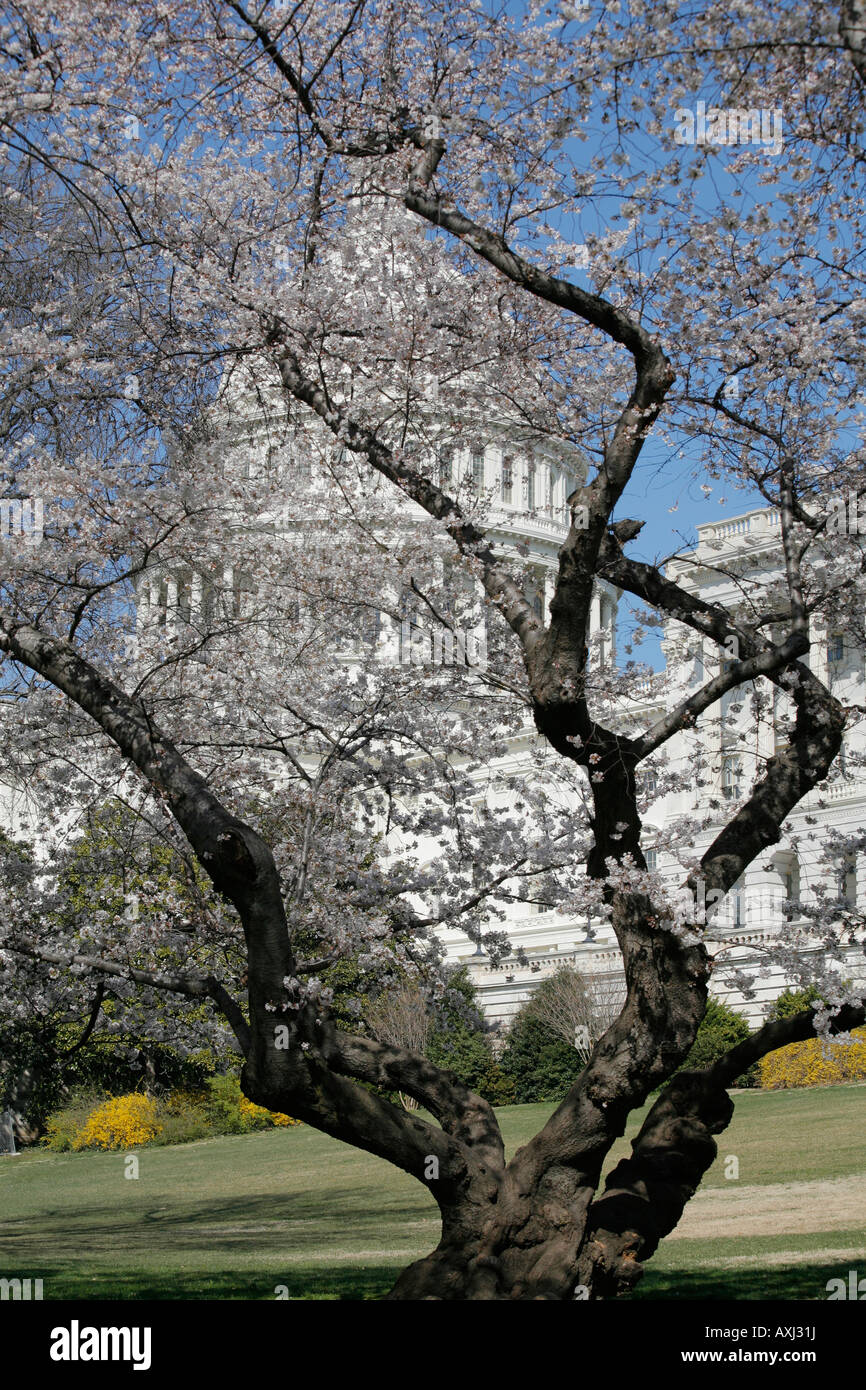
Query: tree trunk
point(503, 1245)
point(558, 1241)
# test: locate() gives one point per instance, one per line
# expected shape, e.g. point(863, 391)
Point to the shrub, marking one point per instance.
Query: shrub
point(63, 1126)
point(721, 1028)
point(815, 1063)
point(793, 1001)
point(230, 1112)
point(57, 1072)
point(94, 1120)
point(470, 1057)
point(539, 1064)
point(122, 1122)
point(184, 1118)
point(258, 1117)
point(222, 1105)
point(459, 1044)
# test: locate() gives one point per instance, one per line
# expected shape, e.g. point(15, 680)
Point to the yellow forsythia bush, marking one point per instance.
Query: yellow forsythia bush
point(123, 1122)
point(809, 1064)
point(253, 1112)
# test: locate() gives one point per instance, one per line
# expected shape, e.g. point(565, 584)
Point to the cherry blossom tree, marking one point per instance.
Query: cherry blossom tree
point(365, 230)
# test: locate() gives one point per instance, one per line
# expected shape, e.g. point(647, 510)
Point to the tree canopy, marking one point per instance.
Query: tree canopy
point(260, 266)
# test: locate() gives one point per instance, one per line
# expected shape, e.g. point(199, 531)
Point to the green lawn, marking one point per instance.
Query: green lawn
point(236, 1218)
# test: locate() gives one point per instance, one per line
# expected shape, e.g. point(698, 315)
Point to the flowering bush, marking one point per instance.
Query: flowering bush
point(122, 1122)
point(815, 1063)
point(63, 1126)
point(259, 1117)
point(232, 1113)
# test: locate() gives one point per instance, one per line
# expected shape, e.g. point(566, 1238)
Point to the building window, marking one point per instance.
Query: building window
point(731, 772)
point(652, 860)
point(508, 480)
point(446, 467)
point(274, 463)
point(251, 461)
point(477, 467)
point(648, 781)
point(530, 484)
point(369, 627)
point(835, 648)
point(790, 871)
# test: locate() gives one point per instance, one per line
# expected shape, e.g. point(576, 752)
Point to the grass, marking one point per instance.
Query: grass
point(239, 1218)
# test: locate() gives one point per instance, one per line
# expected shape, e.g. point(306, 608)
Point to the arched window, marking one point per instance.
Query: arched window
point(788, 867)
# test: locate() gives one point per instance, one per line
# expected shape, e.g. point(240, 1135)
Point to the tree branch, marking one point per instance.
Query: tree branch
point(194, 986)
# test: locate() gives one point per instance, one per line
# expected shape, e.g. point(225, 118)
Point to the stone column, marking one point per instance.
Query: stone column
point(763, 896)
point(595, 612)
point(549, 589)
point(171, 611)
point(818, 652)
point(388, 638)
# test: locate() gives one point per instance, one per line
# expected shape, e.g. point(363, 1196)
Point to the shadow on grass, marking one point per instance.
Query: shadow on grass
point(799, 1282)
point(367, 1282)
point(240, 1223)
point(786, 1282)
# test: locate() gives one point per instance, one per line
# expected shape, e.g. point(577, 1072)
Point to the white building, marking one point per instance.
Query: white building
point(525, 484)
point(719, 759)
point(526, 518)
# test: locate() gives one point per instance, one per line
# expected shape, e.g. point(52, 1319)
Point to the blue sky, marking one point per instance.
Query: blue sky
point(659, 483)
